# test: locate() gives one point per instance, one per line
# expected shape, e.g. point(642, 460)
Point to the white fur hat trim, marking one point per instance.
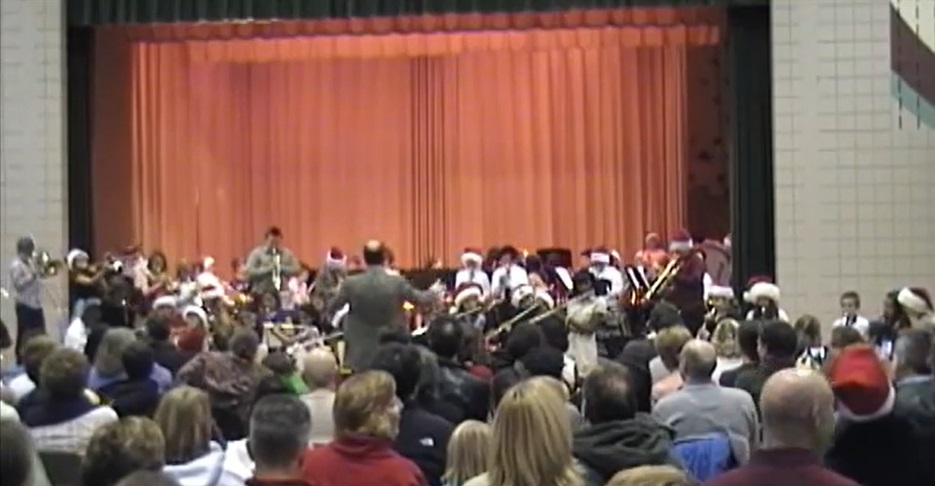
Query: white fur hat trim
point(470, 292)
point(74, 255)
point(764, 290)
point(908, 299)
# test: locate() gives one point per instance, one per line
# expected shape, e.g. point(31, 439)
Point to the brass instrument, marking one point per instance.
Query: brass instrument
point(277, 270)
point(508, 325)
point(45, 265)
point(642, 295)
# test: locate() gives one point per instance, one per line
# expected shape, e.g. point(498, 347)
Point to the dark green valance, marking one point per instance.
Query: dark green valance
point(97, 12)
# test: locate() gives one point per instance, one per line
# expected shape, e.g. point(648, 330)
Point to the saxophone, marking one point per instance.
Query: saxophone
point(277, 271)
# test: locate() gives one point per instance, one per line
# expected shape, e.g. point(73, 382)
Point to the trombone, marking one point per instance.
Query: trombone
point(508, 324)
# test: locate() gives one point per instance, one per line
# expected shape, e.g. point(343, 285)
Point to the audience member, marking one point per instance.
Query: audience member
point(119, 449)
point(651, 476)
point(547, 361)
point(422, 436)
point(138, 393)
point(320, 373)
point(468, 452)
point(669, 344)
point(165, 353)
point(872, 445)
point(915, 385)
point(777, 346)
point(467, 393)
point(842, 337)
point(280, 430)
point(726, 345)
point(702, 407)
point(61, 416)
point(35, 350)
point(797, 408)
point(76, 334)
point(428, 390)
point(284, 368)
point(108, 361)
point(748, 336)
point(532, 439)
point(617, 437)
point(148, 478)
point(366, 421)
point(555, 335)
point(19, 462)
point(810, 352)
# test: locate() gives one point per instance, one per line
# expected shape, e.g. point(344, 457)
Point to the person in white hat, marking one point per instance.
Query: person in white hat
point(917, 305)
point(471, 271)
point(508, 274)
point(602, 269)
point(721, 306)
point(210, 286)
point(765, 299)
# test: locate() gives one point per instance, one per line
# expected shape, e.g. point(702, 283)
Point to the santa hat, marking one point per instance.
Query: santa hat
point(207, 263)
point(472, 255)
point(74, 255)
point(519, 293)
point(915, 299)
point(335, 257)
point(615, 256)
point(681, 241)
point(165, 301)
point(545, 298)
point(721, 292)
point(861, 384)
point(194, 310)
point(762, 290)
point(466, 292)
point(600, 255)
point(753, 281)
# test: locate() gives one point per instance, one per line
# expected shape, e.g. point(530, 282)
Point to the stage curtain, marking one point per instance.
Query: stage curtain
point(564, 137)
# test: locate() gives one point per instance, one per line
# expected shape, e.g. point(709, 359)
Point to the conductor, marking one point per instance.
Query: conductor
point(375, 297)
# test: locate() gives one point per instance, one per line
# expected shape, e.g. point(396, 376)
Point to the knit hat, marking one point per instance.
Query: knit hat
point(335, 257)
point(472, 255)
point(681, 241)
point(467, 291)
point(861, 384)
point(915, 299)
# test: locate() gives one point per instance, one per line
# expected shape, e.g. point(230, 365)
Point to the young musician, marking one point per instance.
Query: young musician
point(270, 264)
point(468, 301)
point(27, 284)
point(602, 270)
point(210, 286)
point(586, 311)
point(687, 288)
point(471, 271)
point(765, 299)
point(721, 306)
point(508, 274)
point(86, 281)
point(653, 255)
point(917, 305)
point(327, 281)
point(850, 314)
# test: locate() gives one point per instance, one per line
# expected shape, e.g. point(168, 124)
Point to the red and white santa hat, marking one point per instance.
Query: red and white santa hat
point(722, 292)
point(194, 310)
point(600, 255)
point(861, 385)
point(335, 257)
point(466, 292)
point(165, 301)
point(761, 290)
point(915, 299)
point(681, 241)
point(472, 256)
point(546, 298)
point(519, 293)
point(75, 254)
point(753, 281)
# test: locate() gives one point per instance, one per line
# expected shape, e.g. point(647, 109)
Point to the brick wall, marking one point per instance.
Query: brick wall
point(854, 161)
point(33, 179)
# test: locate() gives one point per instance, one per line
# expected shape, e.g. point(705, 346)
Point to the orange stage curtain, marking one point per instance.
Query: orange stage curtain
point(570, 135)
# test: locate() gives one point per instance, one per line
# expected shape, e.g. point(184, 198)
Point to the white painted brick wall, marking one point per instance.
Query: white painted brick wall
point(33, 181)
point(855, 193)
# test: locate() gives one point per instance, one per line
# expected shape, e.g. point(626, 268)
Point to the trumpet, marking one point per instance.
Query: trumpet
point(45, 265)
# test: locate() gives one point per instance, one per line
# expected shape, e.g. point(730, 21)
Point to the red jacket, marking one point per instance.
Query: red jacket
point(360, 461)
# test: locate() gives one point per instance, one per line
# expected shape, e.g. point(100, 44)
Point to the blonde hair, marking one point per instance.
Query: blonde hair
point(184, 416)
point(669, 343)
point(363, 405)
point(724, 338)
point(650, 476)
point(532, 441)
point(468, 452)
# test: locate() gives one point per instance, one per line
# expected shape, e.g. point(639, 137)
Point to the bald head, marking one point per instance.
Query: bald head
point(320, 368)
point(697, 360)
point(374, 253)
point(796, 406)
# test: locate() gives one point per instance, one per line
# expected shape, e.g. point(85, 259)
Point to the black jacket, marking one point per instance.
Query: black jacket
point(170, 357)
point(883, 452)
point(608, 448)
point(423, 439)
point(132, 397)
point(468, 393)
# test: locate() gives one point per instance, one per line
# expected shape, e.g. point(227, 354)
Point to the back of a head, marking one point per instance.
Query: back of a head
point(158, 328)
point(16, 455)
point(608, 394)
point(797, 407)
point(244, 344)
point(501, 382)
point(445, 337)
point(362, 404)
point(725, 339)
point(554, 332)
point(669, 343)
point(92, 315)
point(34, 352)
point(279, 363)
point(697, 361)
point(651, 476)
point(844, 336)
point(138, 360)
point(523, 338)
point(64, 374)
point(108, 360)
point(808, 328)
point(748, 337)
point(468, 451)
point(664, 315)
point(320, 369)
point(148, 478)
point(404, 363)
point(184, 417)
point(374, 253)
point(544, 361)
point(394, 335)
point(779, 339)
point(121, 448)
point(913, 351)
point(280, 426)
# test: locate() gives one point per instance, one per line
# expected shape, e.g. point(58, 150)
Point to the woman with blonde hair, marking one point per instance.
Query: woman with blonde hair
point(724, 339)
point(532, 439)
point(468, 452)
point(366, 421)
point(192, 458)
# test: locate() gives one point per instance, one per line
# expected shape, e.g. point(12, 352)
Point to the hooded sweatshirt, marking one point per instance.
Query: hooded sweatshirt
point(611, 447)
point(207, 470)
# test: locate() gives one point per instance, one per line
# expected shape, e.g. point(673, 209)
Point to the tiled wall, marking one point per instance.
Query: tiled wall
point(33, 194)
point(854, 167)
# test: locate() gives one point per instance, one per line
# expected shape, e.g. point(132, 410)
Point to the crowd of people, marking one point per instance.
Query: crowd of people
point(739, 394)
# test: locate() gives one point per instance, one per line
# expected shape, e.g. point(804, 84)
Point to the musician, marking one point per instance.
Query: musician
point(158, 280)
point(653, 256)
point(721, 306)
point(850, 314)
point(134, 265)
point(86, 281)
point(508, 274)
point(585, 314)
point(270, 261)
point(375, 299)
point(468, 300)
point(327, 282)
point(765, 299)
point(602, 269)
point(209, 285)
point(297, 295)
point(471, 272)
point(27, 285)
point(917, 306)
point(687, 291)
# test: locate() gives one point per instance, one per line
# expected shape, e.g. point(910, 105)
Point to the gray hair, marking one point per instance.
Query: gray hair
point(280, 429)
point(912, 350)
point(108, 360)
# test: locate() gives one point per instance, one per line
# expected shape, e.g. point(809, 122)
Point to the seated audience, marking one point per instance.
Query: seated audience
point(76, 334)
point(547, 361)
point(532, 439)
point(777, 346)
point(651, 476)
point(617, 437)
point(469, 394)
point(119, 449)
point(19, 462)
point(147, 478)
point(797, 409)
point(468, 452)
point(522, 338)
point(702, 407)
point(669, 344)
point(192, 458)
point(428, 395)
point(915, 385)
point(872, 445)
point(422, 436)
point(237, 460)
point(230, 378)
point(34, 352)
point(283, 367)
point(810, 352)
point(108, 361)
point(842, 337)
point(555, 335)
point(280, 428)
point(748, 337)
point(60, 415)
point(725, 341)
point(320, 373)
point(366, 421)
point(138, 393)
point(166, 354)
